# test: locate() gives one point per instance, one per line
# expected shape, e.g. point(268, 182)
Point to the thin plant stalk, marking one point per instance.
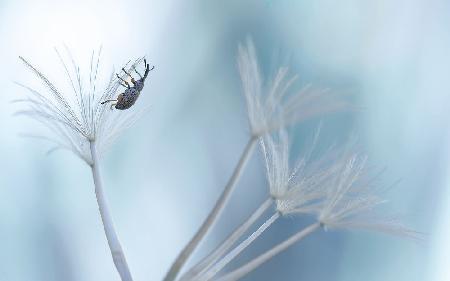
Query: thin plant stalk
point(203, 266)
point(214, 214)
point(242, 246)
point(253, 264)
point(117, 253)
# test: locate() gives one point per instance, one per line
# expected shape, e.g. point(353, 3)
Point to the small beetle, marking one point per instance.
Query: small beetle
point(126, 99)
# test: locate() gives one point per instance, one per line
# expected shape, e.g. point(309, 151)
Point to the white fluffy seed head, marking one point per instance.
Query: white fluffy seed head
point(352, 201)
point(335, 187)
point(273, 105)
point(299, 189)
point(77, 118)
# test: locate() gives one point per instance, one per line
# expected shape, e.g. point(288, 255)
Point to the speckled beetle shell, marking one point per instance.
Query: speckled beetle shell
point(127, 99)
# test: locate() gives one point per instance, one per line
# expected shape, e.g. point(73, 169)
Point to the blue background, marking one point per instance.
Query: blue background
point(164, 174)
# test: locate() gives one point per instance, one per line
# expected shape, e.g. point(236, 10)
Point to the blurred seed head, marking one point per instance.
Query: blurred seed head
point(297, 189)
point(352, 201)
point(336, 187)
point(273, 105)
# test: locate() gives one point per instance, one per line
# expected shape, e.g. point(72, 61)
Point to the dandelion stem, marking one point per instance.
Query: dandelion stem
point(220, 251)
point(253, 264)
point(108, 225)
point(213, 215)
point(242, 246)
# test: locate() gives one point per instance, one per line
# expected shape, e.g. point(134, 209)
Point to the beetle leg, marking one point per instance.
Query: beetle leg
point(134, 68)
point(103, 102)
point(132, 79)
point(112, 105)
point(123, 69)
point(126, 83)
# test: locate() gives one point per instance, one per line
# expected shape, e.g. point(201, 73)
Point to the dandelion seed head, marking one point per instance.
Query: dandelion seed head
point(77, 117)
point(273, 105)
point(335, 187)
point(352, 202)
point(298, 189)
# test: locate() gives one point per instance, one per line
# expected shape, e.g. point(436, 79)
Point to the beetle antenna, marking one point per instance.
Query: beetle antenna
point(147, 70)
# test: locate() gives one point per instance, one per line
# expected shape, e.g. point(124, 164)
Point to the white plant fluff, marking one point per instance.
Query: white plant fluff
point(335, 189)
point(298, 189)
point(83, 125)
point(271, 105)
point(274, 104)
point(78, 118)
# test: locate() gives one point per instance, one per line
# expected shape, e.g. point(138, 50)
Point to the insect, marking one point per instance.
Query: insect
point(126, 99)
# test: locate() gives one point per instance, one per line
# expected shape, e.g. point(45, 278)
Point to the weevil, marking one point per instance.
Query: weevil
point(126, 99)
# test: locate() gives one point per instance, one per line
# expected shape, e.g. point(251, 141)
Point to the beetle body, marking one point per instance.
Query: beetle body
point(127, 99)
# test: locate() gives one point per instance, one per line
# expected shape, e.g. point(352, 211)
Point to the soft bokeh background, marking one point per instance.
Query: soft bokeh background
point(163, 175)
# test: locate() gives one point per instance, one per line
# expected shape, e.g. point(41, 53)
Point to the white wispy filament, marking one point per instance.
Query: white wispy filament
point(292, 190)
point(333, 188)
point(78, 118)
point(81, 124)
point(274, 104)
point(336, 191)
point(270, 106)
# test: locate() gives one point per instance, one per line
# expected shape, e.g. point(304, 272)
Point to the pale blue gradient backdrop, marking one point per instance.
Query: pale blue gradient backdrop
point(391, 56)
